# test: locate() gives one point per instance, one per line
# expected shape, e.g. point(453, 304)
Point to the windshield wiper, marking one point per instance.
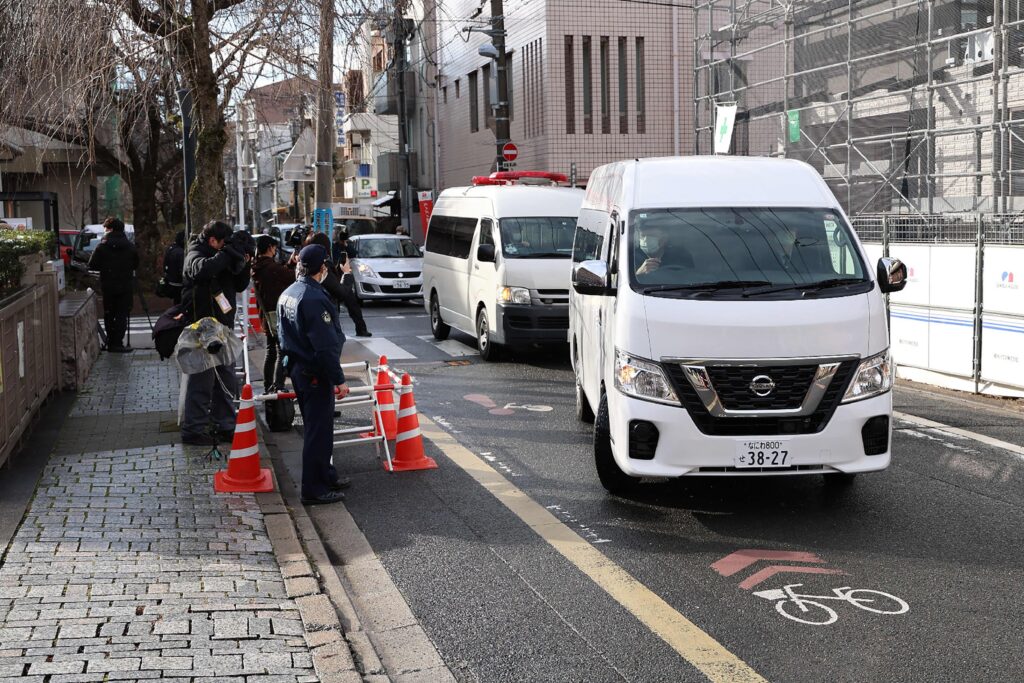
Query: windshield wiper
point(809, 286)
point(705, 286)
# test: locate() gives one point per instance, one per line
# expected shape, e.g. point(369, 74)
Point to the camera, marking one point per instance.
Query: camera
point(242, 242)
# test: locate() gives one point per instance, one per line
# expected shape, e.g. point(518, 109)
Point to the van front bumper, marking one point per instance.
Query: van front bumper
point(532, 324)
point(683, 450)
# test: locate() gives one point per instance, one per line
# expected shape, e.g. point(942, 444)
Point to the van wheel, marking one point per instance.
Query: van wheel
point(437, 326)
point(488, 349)
point(612, 478)
point(584, 413)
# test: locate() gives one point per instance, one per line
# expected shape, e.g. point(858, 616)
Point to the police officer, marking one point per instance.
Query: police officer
point(311, 340)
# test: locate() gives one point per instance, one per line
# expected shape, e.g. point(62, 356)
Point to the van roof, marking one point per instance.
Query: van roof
point(679, 182)
point(521, 200)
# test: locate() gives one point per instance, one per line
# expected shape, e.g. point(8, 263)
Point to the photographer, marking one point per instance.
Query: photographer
point(216, 270)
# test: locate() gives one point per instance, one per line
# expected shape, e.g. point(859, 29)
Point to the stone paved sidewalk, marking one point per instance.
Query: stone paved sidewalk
point(127, 566)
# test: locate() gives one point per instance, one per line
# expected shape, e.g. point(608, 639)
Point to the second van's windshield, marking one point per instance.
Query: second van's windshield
point(745, 251)
point(537, 237)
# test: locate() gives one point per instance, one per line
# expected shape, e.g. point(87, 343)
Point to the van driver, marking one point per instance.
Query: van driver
point(659, 249)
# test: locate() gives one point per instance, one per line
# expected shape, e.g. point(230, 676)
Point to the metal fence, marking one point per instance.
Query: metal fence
point(952, 228)
point(905, 106)
point(28, 358)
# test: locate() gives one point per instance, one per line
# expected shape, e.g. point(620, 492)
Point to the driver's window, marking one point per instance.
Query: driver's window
point(840, 249)
point(486, 232)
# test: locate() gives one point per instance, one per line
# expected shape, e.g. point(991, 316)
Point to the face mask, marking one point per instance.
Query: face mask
point(651, 244)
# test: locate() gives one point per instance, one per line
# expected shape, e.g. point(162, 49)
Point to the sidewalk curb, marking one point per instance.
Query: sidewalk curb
point(341, 649)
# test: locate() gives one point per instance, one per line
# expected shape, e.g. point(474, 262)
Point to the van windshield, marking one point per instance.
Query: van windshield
point(743, 251)
point(537, 237)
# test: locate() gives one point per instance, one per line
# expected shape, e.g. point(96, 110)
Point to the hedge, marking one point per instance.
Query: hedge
point(15, 243)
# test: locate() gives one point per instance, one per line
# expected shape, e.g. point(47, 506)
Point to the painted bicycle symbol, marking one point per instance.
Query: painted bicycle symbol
point(807, 610)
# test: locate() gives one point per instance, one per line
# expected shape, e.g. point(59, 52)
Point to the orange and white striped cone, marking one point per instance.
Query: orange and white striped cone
point(409, 454)
point(254, 312)
point(385, 405)
point(244, 474)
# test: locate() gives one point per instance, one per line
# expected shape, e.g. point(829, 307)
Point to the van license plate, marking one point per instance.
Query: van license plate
point(401, 284)
point(762, 453)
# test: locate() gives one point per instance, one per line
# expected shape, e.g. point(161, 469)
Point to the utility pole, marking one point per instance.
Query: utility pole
point(401, 68)
point(324, 187)
point(502, 134)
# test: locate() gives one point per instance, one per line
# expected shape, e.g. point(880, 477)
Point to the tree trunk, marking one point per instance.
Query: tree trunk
point(147, 234)
point(207, 195)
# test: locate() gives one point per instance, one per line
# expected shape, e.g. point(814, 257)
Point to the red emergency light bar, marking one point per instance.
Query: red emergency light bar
point(510, 177)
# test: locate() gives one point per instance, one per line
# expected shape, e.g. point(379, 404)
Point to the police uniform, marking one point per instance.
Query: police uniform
point(311, 341)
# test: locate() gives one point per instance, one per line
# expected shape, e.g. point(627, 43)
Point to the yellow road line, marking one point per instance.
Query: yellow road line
point(681, 634)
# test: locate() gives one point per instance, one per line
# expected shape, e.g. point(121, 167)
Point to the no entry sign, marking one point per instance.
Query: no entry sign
point(509, 152)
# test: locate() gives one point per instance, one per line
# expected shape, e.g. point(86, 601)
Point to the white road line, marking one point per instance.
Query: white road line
point(980, 438)
point(450, 346)
point(382, 347)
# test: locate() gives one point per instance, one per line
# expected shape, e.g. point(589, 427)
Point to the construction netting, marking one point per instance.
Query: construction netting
point(904, 107)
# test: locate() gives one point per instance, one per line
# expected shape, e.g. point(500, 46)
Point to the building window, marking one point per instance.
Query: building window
point(623, 89)
point(444, 94)
point(488, 101)
point(606, 115)
point(527, 93)
point(588, 88)
point(641, 97)
point(474, 109)
point(458, 88)
point(570, 88)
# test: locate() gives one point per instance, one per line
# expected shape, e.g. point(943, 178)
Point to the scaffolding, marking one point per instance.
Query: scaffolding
point(905, 107)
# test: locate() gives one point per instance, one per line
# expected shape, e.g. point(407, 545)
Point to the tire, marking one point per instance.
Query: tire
point(437, 326)
point(584, 413)
point(893, 605)
point(827, 614)
point(488, 349)
point(614, 480)
point(839, 480)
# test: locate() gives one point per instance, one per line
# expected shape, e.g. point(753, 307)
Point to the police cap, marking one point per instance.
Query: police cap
point(312, 258)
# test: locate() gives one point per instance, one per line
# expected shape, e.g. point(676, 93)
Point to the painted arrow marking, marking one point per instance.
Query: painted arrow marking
point(741, 559)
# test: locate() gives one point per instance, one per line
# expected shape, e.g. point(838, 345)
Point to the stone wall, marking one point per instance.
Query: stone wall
point(79, 343)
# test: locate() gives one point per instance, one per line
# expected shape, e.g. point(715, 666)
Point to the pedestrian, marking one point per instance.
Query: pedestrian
point(116, 259)
point(216, 269)
point(311, 342)
point(174, 265)
point(270, 278)
point(340, 284)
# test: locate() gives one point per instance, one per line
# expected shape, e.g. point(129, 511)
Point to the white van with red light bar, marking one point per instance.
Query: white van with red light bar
point(496, 262)
point(724, 321)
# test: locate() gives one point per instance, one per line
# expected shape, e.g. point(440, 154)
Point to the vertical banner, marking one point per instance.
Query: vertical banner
point(426, 200)
point(725, 119)
point(339, 117)
point(793, 124)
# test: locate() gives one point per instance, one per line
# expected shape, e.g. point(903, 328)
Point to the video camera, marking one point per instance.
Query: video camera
point(242, 242)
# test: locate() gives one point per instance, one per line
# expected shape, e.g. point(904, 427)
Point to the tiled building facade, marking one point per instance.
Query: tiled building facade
point(591, 82)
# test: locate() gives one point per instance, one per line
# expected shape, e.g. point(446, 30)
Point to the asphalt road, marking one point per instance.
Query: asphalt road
point(941, 530)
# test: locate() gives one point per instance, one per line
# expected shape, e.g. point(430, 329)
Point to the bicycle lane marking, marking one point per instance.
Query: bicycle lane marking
point(693, 644)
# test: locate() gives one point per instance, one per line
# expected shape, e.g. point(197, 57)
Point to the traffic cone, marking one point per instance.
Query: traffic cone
point(254, 312)
point(244, 474)
point(409, 453)
point(385, 405)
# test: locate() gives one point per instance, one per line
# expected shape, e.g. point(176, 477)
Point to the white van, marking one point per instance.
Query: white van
point(724, 320)
point(496, 264)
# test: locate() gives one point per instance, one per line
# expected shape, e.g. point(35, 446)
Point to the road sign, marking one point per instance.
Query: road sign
point(509, 152)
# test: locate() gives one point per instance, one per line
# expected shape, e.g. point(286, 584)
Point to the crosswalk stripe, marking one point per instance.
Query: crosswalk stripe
point(450, 346)
point(382, 347)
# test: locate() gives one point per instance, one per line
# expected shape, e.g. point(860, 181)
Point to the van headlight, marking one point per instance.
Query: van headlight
point(513, 295)
point(873, 377)
point(642, 379)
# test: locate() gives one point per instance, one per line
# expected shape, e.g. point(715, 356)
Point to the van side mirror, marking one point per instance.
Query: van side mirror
point(892, 274)
point(591, 277)
point(485, 253)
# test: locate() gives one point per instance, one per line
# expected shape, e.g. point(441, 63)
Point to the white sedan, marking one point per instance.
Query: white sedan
point(386, 267)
